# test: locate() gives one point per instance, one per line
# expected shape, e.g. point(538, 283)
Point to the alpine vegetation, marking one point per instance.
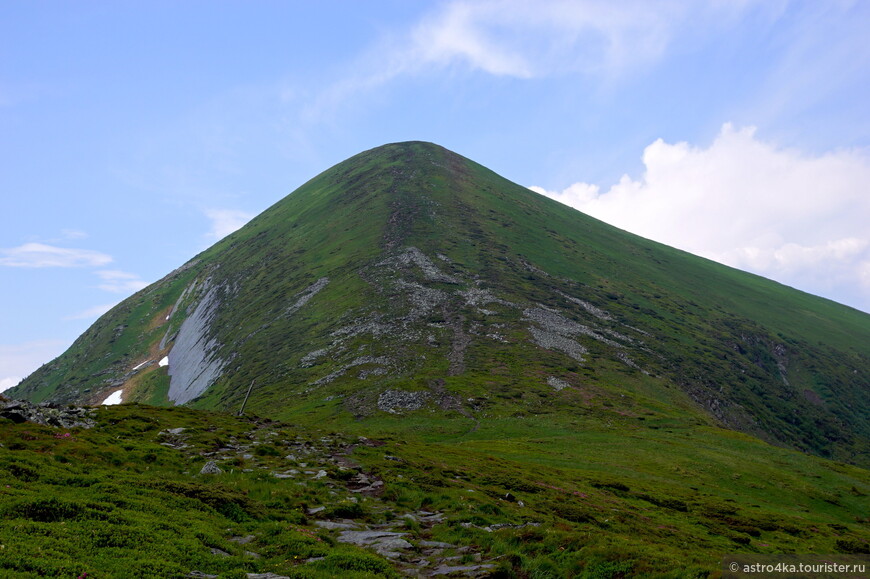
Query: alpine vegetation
point(444, 373)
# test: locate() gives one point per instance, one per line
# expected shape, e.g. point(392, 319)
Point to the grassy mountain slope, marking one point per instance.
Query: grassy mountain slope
point(412, 271)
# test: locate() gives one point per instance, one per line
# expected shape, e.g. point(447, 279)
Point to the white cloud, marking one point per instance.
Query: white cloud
point(91, 313)
point(226, 221)
point(18, 360)
point(462, 31)
point(522, 39)
point(9, 382)
point(44, 255)
point(117, 281)
point(73, 234)
point(800, 219)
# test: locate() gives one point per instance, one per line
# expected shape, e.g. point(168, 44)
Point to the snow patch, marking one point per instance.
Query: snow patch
point(113, 398)
point(140, 365)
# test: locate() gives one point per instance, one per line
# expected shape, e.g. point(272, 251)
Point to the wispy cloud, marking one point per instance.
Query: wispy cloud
point(798, 218)
point(44, 255)
point(226, 221)
point(825, 57)
point(117, 281)
point(525, 40)
point(72, 234)
point(91, 313)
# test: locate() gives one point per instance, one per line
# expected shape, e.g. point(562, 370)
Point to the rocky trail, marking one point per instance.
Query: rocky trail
point(404, 537)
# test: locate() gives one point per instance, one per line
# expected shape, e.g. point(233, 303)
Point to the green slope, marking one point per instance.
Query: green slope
point(126, 499)
point(411, 276)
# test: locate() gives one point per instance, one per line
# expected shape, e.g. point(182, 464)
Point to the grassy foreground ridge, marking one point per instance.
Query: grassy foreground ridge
point(126, 499)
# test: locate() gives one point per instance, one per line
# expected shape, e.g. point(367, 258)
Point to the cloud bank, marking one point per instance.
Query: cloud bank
point(799, 219)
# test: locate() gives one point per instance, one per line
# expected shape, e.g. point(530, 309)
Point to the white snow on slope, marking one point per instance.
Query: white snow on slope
point(113, 398)
point(140, 365)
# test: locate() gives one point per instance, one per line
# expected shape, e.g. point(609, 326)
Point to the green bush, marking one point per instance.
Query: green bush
point(336, 562)
point(344, 510)
point(48, 510)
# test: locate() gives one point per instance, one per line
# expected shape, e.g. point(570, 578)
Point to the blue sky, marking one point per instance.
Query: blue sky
point(135, 134)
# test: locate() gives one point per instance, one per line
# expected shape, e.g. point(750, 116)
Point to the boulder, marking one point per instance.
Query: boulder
point(211, 468)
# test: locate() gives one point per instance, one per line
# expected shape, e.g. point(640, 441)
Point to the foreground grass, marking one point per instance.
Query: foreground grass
point(125, 499)
point(114, 502)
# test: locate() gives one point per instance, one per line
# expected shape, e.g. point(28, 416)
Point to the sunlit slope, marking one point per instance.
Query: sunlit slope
point(409, 287)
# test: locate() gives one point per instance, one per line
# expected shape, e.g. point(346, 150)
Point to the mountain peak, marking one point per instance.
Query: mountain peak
point(409, 279)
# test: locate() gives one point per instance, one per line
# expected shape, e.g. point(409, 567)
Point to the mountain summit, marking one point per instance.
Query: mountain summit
point(409, 282)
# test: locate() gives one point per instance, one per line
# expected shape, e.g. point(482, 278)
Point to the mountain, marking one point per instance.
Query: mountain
point(409, 277)
point(470, 365)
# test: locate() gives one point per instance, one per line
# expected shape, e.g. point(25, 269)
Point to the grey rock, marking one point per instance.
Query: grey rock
point(554, 341)
point(336, 526)
point(46, 414)
point(308, 293)
point(555, 332)
point(556, 383)
point(467, 570)
point(413, 256)
point(390, 547)
point(594, 310)
point(380, 360)
point(193, 361)
point(367, 538)
point(436, 545)
point(395, 400)
point(211, 468)
point(308, 359)
point(243, 540)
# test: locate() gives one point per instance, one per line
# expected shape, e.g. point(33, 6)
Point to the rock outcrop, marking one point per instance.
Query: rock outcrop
point(46, 414)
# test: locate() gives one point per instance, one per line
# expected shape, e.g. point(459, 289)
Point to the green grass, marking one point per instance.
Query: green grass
point(560, 499)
